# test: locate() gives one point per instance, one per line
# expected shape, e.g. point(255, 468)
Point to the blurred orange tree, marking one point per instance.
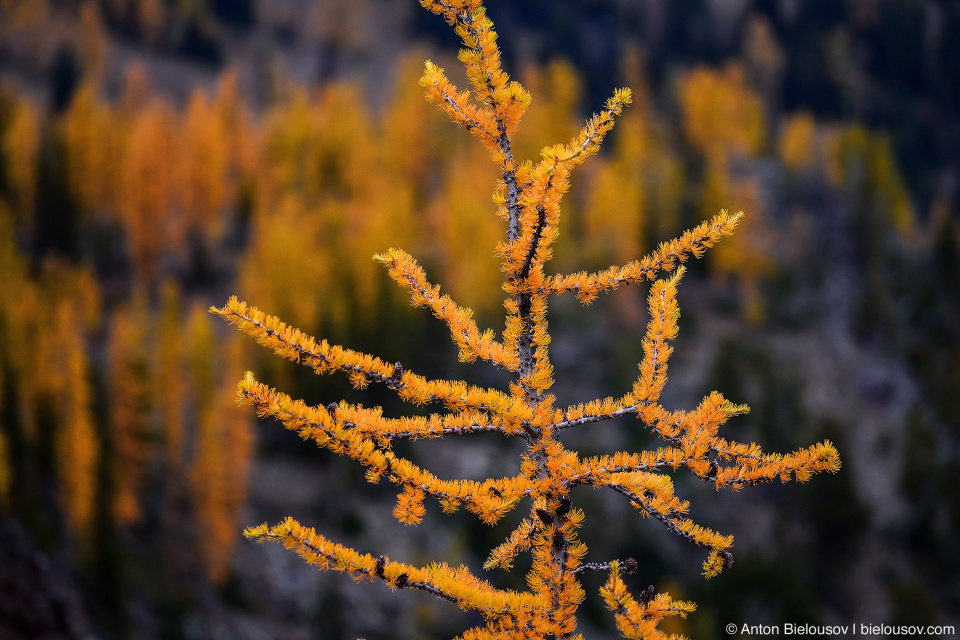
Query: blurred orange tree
point(724, 122)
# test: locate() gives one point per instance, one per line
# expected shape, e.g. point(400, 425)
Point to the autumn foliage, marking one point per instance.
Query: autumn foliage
point(528, 196)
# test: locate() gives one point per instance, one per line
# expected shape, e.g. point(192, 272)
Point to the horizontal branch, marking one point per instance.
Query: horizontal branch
point(490, 499)
point(595, 417)
point(665, 258)
point(438, 430)
point(292, 344)
point(629, 566)
point(371, 422)
point(458, 585)
point(597, 470)
point(760, 468)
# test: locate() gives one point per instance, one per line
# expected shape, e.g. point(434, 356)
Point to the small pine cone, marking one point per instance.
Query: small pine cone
point(647, 595)
point(558, 540)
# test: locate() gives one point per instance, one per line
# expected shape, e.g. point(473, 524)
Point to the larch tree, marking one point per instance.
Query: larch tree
point(203, 173)
point(128, 381)
point(723, 120)
point(93, 159)
point(72, 308)
point(20, 145)
point(528, 196)
point(169, 391)
point(222, 445)
point(146, 190)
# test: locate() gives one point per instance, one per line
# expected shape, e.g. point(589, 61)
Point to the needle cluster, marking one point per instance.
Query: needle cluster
point(528, 196)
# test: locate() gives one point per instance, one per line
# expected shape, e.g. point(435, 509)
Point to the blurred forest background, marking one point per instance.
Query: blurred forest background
point(157, 156)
